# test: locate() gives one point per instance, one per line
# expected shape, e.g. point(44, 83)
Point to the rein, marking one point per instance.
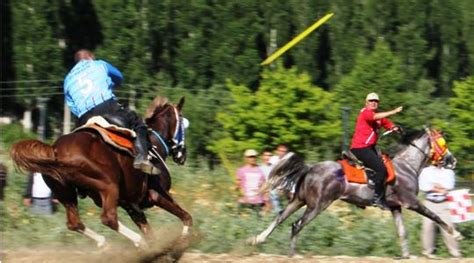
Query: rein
point(160, 138)
point(438, 147)
point(425, 158)
point(178, 135)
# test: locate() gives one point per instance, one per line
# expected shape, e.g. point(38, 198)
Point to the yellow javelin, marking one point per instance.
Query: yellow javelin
point(295, 40)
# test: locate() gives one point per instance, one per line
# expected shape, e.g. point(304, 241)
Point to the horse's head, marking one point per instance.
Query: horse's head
point(439, 152)
point(433, 145)
point(168, 127)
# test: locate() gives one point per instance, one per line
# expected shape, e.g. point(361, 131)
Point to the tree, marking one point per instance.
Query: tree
point(125, 31)
point(37, 53)
point(459, 124)
point(444, 35)
point(378, 71)
point(286, 108)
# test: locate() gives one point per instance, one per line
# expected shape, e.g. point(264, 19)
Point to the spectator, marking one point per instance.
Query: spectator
point(3, 179)
point(281, 151)
point(38, 196)
point(250, 180)
point(266, 168)
point(435, 182)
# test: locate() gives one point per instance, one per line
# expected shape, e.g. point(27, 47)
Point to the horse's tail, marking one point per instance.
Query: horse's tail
point(35, 156)
point(288, 171)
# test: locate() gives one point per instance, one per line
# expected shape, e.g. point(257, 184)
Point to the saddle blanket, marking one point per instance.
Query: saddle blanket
point(113, 135)
point(357, 175)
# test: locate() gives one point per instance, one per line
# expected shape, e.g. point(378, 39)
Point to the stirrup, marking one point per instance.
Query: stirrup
point(380, 203)
point(144, 165)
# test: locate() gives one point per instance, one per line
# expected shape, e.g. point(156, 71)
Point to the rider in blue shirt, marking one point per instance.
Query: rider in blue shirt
point(88, 90)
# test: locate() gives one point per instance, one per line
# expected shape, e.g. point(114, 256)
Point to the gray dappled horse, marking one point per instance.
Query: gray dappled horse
point(318, 185)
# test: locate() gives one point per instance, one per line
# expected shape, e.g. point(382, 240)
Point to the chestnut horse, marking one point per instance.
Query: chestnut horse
point(81, 162)
point(318, 185)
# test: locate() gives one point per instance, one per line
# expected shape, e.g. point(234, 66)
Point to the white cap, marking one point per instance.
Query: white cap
point(372, 96)
point(250, 152)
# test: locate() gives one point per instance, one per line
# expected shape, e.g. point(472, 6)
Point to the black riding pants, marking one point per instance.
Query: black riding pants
point(371, 159)
point(114, 113)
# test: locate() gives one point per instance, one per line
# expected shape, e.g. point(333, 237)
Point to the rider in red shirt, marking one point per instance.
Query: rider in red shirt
point(364, 140)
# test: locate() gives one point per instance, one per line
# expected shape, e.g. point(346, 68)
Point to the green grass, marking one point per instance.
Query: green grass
point(218, 226)
point(209, 197)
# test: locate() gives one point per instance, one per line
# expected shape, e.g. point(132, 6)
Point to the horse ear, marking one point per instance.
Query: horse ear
point(180, 103)
point(426, 127)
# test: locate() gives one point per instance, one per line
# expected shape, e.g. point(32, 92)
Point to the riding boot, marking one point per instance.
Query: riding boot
point(371, 178)
point(141, 161)
point(378, 200)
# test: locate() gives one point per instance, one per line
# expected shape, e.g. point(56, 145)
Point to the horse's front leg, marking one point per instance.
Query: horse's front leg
point(140, 220)
point(421, 209)
point(402, 233)
point(165, 201)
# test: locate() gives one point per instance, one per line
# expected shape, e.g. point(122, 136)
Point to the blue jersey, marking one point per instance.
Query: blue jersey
point(89, 83)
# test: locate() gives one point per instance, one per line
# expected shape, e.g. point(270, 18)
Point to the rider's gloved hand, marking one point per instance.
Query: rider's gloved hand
point(398, 129)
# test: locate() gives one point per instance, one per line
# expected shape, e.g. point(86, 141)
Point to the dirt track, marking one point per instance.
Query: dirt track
point(119, 256)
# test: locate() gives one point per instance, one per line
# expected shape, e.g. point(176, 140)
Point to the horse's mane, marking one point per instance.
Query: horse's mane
point(411, 135)
point(155, 106)
point(406, 138)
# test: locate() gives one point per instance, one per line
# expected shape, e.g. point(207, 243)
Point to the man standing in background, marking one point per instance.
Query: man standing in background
point(250, 180)
point(3, 180)
point(435, 182)
point(38, 196)
point(266, 167)
point(281, 150)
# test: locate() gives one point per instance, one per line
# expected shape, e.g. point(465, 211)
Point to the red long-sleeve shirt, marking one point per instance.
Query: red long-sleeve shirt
point(365, 134)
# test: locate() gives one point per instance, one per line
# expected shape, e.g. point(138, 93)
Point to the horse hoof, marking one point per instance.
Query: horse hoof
point(252, 241)
point(101, 243)
point(457, 236)
point(142, 244)
point(406, 257)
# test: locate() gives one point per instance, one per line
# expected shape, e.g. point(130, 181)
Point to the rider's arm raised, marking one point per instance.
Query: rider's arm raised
point(385, 114)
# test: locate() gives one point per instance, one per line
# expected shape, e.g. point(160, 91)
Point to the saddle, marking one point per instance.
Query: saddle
point(118, 137)
point(355, 171)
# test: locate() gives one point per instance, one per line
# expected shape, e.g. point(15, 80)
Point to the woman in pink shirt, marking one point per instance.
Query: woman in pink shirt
point(364, 141)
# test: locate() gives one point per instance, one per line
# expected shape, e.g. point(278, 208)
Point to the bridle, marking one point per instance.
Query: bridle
point(174, 145)
point(438, 149)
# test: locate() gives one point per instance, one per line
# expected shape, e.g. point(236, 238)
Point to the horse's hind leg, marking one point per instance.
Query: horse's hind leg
point(290, 209)
point(314, 209)
point(67, 196)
